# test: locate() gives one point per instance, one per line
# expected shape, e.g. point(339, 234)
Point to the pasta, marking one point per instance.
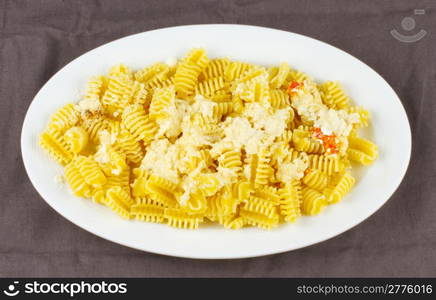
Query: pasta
point(77, 138)
point(210, 140)
point(64, 118)
point(54, 143)
point(290, 201)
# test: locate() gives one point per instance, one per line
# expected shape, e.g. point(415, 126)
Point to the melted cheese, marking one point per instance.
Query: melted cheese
point(88, 104)
point(190, 184)
point(240, 134)
point(292, 170)
point(307, 101)
point(106, 139)
point(256, 129)
point(246, 89)
point(171, 126)
point(161, 159)
point(337, 122)
point(203, 106)
point(264, 118)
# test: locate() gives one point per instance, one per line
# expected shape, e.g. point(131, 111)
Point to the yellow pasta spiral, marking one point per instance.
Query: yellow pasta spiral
point(214, 210)
point(290, 200)
point(235, 69)
point(98, 195)
point(117, 94)
point(224, 203)
point(54, 143)
point(279, 78)
point(215, 68)
point(76, 181)
point(285, 137)
point(196, 203)
point(139, 94)
point(163, 183)
point(272, 72)
point(279, 99)
point(90, 170)
point(260, 169)
point(161, 190)
point(158, 83)
point(221, 109)
point(186, 79)
point(157, 70)
point(209, 184)
point(119, 201)
point(112, 161)
point(341, 185)
point(161, 102)
point(187, 72)
point(121, 180)
point(242, 191)
point(64, 118)
point(313, 202)
point(94, 127)
point(333, 95)
point(140, 179)
point(77, 138)
point(296, 76)
point(256, 91)
point(287, 155)
point(259, 220)
point(268, 193)
point(364, 145)
point(231, 159)
point(364, 115)
point(221, 96)
point(260, 206)
point(95, 88)
point(129, 146)
point(263, 170)
point(231, 197)
point(362, 150)
point(232, 222)
point(197, 57)
point(238, 104)
point(148, 212)
point(121, 70)
point(326, 164)
point(304, 142)
point(138, 123)
point(191, 162)
point(252, 73)
point(147, 200)
point(181, 219)
point(208, 87)
point(316, 179)
point(359, 156)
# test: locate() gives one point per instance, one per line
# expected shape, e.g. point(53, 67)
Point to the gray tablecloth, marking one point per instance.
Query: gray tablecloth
point(37, 38)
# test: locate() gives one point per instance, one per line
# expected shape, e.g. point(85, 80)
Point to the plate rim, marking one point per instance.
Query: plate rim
point(166, 252)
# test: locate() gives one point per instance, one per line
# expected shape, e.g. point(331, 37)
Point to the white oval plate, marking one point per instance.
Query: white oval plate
point(390, 130)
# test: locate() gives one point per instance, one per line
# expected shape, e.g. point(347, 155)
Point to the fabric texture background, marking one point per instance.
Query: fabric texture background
point(37, 38)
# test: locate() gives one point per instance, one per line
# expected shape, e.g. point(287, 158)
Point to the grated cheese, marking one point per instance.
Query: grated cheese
point(203, 106)
point(292, 170)
point(307, 101)
point(106, 139)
